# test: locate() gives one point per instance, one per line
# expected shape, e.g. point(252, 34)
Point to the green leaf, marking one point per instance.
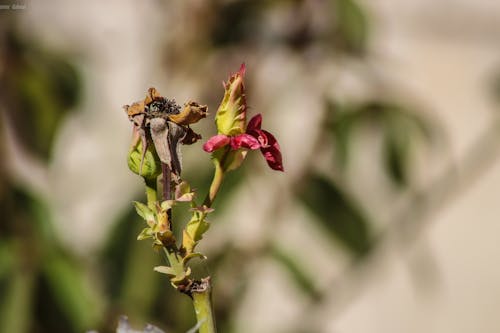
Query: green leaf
point(7, 259)
point(144, 212)
point(352, 25)
point(16, 305)
point(75, 297)
point(300, 275)
point(402, 129)
point(194, 231)
point(146, 233)
point(338, 214)
point(181, 276)
point(165, 270)
point(344, 120)
point(40, 88)
point(183, 192)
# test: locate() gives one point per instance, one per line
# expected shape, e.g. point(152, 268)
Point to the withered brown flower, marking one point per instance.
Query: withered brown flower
point(162, 121)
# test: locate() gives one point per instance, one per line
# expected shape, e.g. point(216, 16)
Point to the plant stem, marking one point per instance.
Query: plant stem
point(215, 186)
point(151, 192)
point(201, 294)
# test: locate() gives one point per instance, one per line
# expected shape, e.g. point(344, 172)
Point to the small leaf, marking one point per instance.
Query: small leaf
point(183, 192)
point(144, 211)
point(193, 232)
point(181, 276)
point(145, 234)
point(165, 270)
point(167, 204)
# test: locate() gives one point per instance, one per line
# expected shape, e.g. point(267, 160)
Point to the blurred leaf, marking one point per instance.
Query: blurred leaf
point(235, 21)
point(352, 25)
point(298, 274)
point(40, 88)
point(402, 129)
point(338, 214)
point(140, 284)
point(7, 259)
point(15, 308)
point(342, 125)
point(75, 298)
point(117, 249)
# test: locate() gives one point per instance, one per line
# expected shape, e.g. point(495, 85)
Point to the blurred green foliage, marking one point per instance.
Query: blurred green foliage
point(38, 89)
point(337, 214)
point(45, 287)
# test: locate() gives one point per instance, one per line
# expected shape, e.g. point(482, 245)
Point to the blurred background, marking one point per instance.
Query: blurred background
point(386, 219)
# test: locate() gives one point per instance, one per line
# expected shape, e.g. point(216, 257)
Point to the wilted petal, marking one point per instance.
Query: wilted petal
point(244, 141)
point(272, 153)
point(216, 142)
point(190, 137)
point(152, 95)
point(191, 114)
point(134, 109)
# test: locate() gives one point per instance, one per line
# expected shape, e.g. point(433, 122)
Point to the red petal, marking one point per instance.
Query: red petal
point(272, 153)
point(244, 141)
point(261, 136)
point(255, 123)
point(216, 142)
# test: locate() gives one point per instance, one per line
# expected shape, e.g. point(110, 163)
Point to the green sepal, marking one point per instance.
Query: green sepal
point(228, 160)
point(147, 165)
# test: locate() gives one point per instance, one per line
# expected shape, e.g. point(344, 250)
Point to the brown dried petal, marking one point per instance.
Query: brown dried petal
point(152, 95)
point(190, 137)
point(134, 109)
point(191, 114)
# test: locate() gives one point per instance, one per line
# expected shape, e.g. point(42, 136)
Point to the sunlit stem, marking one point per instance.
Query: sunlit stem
point(203, 307)
point(215, 186)
point(151, 192)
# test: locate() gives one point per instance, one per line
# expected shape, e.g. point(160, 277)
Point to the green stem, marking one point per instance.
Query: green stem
point(215, 186)
point(151, 192)
point(201, 294)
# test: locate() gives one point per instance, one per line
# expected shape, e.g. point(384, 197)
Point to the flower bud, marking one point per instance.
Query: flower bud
point(231, 115)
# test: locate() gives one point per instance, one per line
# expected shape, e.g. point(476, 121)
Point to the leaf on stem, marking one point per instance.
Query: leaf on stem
point(165, 270)
point(145, 212)
point(193, 232)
